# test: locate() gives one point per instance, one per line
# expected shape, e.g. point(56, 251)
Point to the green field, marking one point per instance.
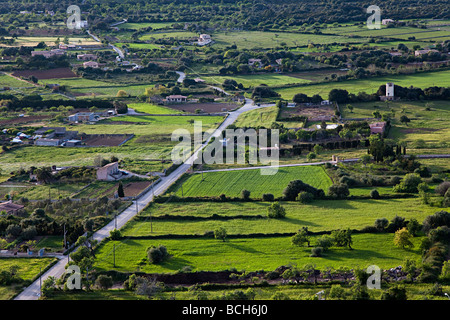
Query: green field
point(152, 108)
point(269, 79)
point(28, 269)
point(259, 117)
point(231, 183)
point(9, 81)
point(250, 254)
point(420, 80)
point(260, 39)
point(321, 215)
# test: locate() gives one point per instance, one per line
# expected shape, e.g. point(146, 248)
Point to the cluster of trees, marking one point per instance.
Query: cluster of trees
point(47, 217)
point(337, 238)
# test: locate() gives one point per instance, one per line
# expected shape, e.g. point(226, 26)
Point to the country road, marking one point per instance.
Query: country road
point(32, 292)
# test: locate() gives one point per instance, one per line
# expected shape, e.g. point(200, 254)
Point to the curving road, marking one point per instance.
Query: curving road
point(32, 292)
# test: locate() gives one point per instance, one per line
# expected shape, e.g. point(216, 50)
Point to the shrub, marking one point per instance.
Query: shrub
point(316, 252)
point(440, 218)
point(268, 197)
point(157, 254)
point(374, 194)
point(29, 233)
point(442, 188)
point(245, 194)
point(276, 211)
point(115, 234)
point(325, 242)
point(104, 282)
point(381, 224)
point(396, 223)
point(409, 183)
point(339, 190)
point(305, 197)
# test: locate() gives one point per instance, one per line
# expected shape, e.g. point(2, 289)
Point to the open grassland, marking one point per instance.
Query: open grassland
point(152, 108)
point(321, 215)
point(168, 35)
point(259, 117)
point(28, 269)
point(88, 88)
point(54, 191)
point(142, 25)
point(38, 156)
point(9, 81)
point(420, 80)
point(231, 183)
point(251, 80)
point(261, 39)
point(49, 41)
point(250, 254)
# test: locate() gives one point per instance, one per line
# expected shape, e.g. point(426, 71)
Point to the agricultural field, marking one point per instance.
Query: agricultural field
point(28, 268)
point(256, 80)
point(323, 215)
point(231, 183)
point(420, 80)
point(249, 254)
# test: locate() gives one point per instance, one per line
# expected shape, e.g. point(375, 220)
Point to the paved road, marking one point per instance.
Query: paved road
point(181, 77)
point(32, 292)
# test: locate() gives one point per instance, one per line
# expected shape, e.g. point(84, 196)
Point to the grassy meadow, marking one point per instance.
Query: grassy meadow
point(231, 183)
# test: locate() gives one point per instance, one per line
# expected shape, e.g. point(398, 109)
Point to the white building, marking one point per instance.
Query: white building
point(389, 91)
point(204, 39)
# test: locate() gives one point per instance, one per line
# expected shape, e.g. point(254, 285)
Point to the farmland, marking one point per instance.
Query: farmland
point(231, 183)
point(248, 254)
point(420, 80)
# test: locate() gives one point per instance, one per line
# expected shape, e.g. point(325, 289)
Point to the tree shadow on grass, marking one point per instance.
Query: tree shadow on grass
point(239, 247)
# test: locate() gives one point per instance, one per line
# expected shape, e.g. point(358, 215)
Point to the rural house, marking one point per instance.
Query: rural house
point(377, 127)
point(109, 172)
point(83, 117)
point(176, 98)
point(10, 208)
point(204, 39)
point(421, 52)
point(87, 57)
point(90, 64)
point(50, 142)
point(48, 54)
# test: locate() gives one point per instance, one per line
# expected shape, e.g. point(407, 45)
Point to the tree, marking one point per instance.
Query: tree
point(395, 293)
point(338, 95)
point(275, 210)
point(339, 190)
point(350, 107)
point(220, 233)
point(342, 238)
point(310, 156)
point(402, 238)
point(305, 197)
point(404, 119)
point(121, 94)
point(317, 149)
point(120, 191)
point(413, 227)
point(409, 183)
point(301, 237)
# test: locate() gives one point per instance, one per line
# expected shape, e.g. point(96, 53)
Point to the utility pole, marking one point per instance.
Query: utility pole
point(115, 220)
point(137, 208)
point(114, 255)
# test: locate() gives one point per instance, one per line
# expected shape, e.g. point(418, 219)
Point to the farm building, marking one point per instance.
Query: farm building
point(90, 64)
point(87, 56)
point(175, 98)
point(47, 142)
point(387, 21)
point(204, 39)
point(83, 117)
point(109, 172)
point(377, 127)
point(255, 62)
point(72, 143)
point(421, 52)
point(48, 54)
point(10, 208)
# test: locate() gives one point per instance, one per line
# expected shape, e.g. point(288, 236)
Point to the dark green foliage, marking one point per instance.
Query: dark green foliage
point(157, 255)
point(268, 197)
point(305, 197)
point(374, 194)
point(276, 211)
point(339, 190)
point(342, 238)
point(104, 282)
point(440, 218)
point(296, 186)
point(395, 293)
